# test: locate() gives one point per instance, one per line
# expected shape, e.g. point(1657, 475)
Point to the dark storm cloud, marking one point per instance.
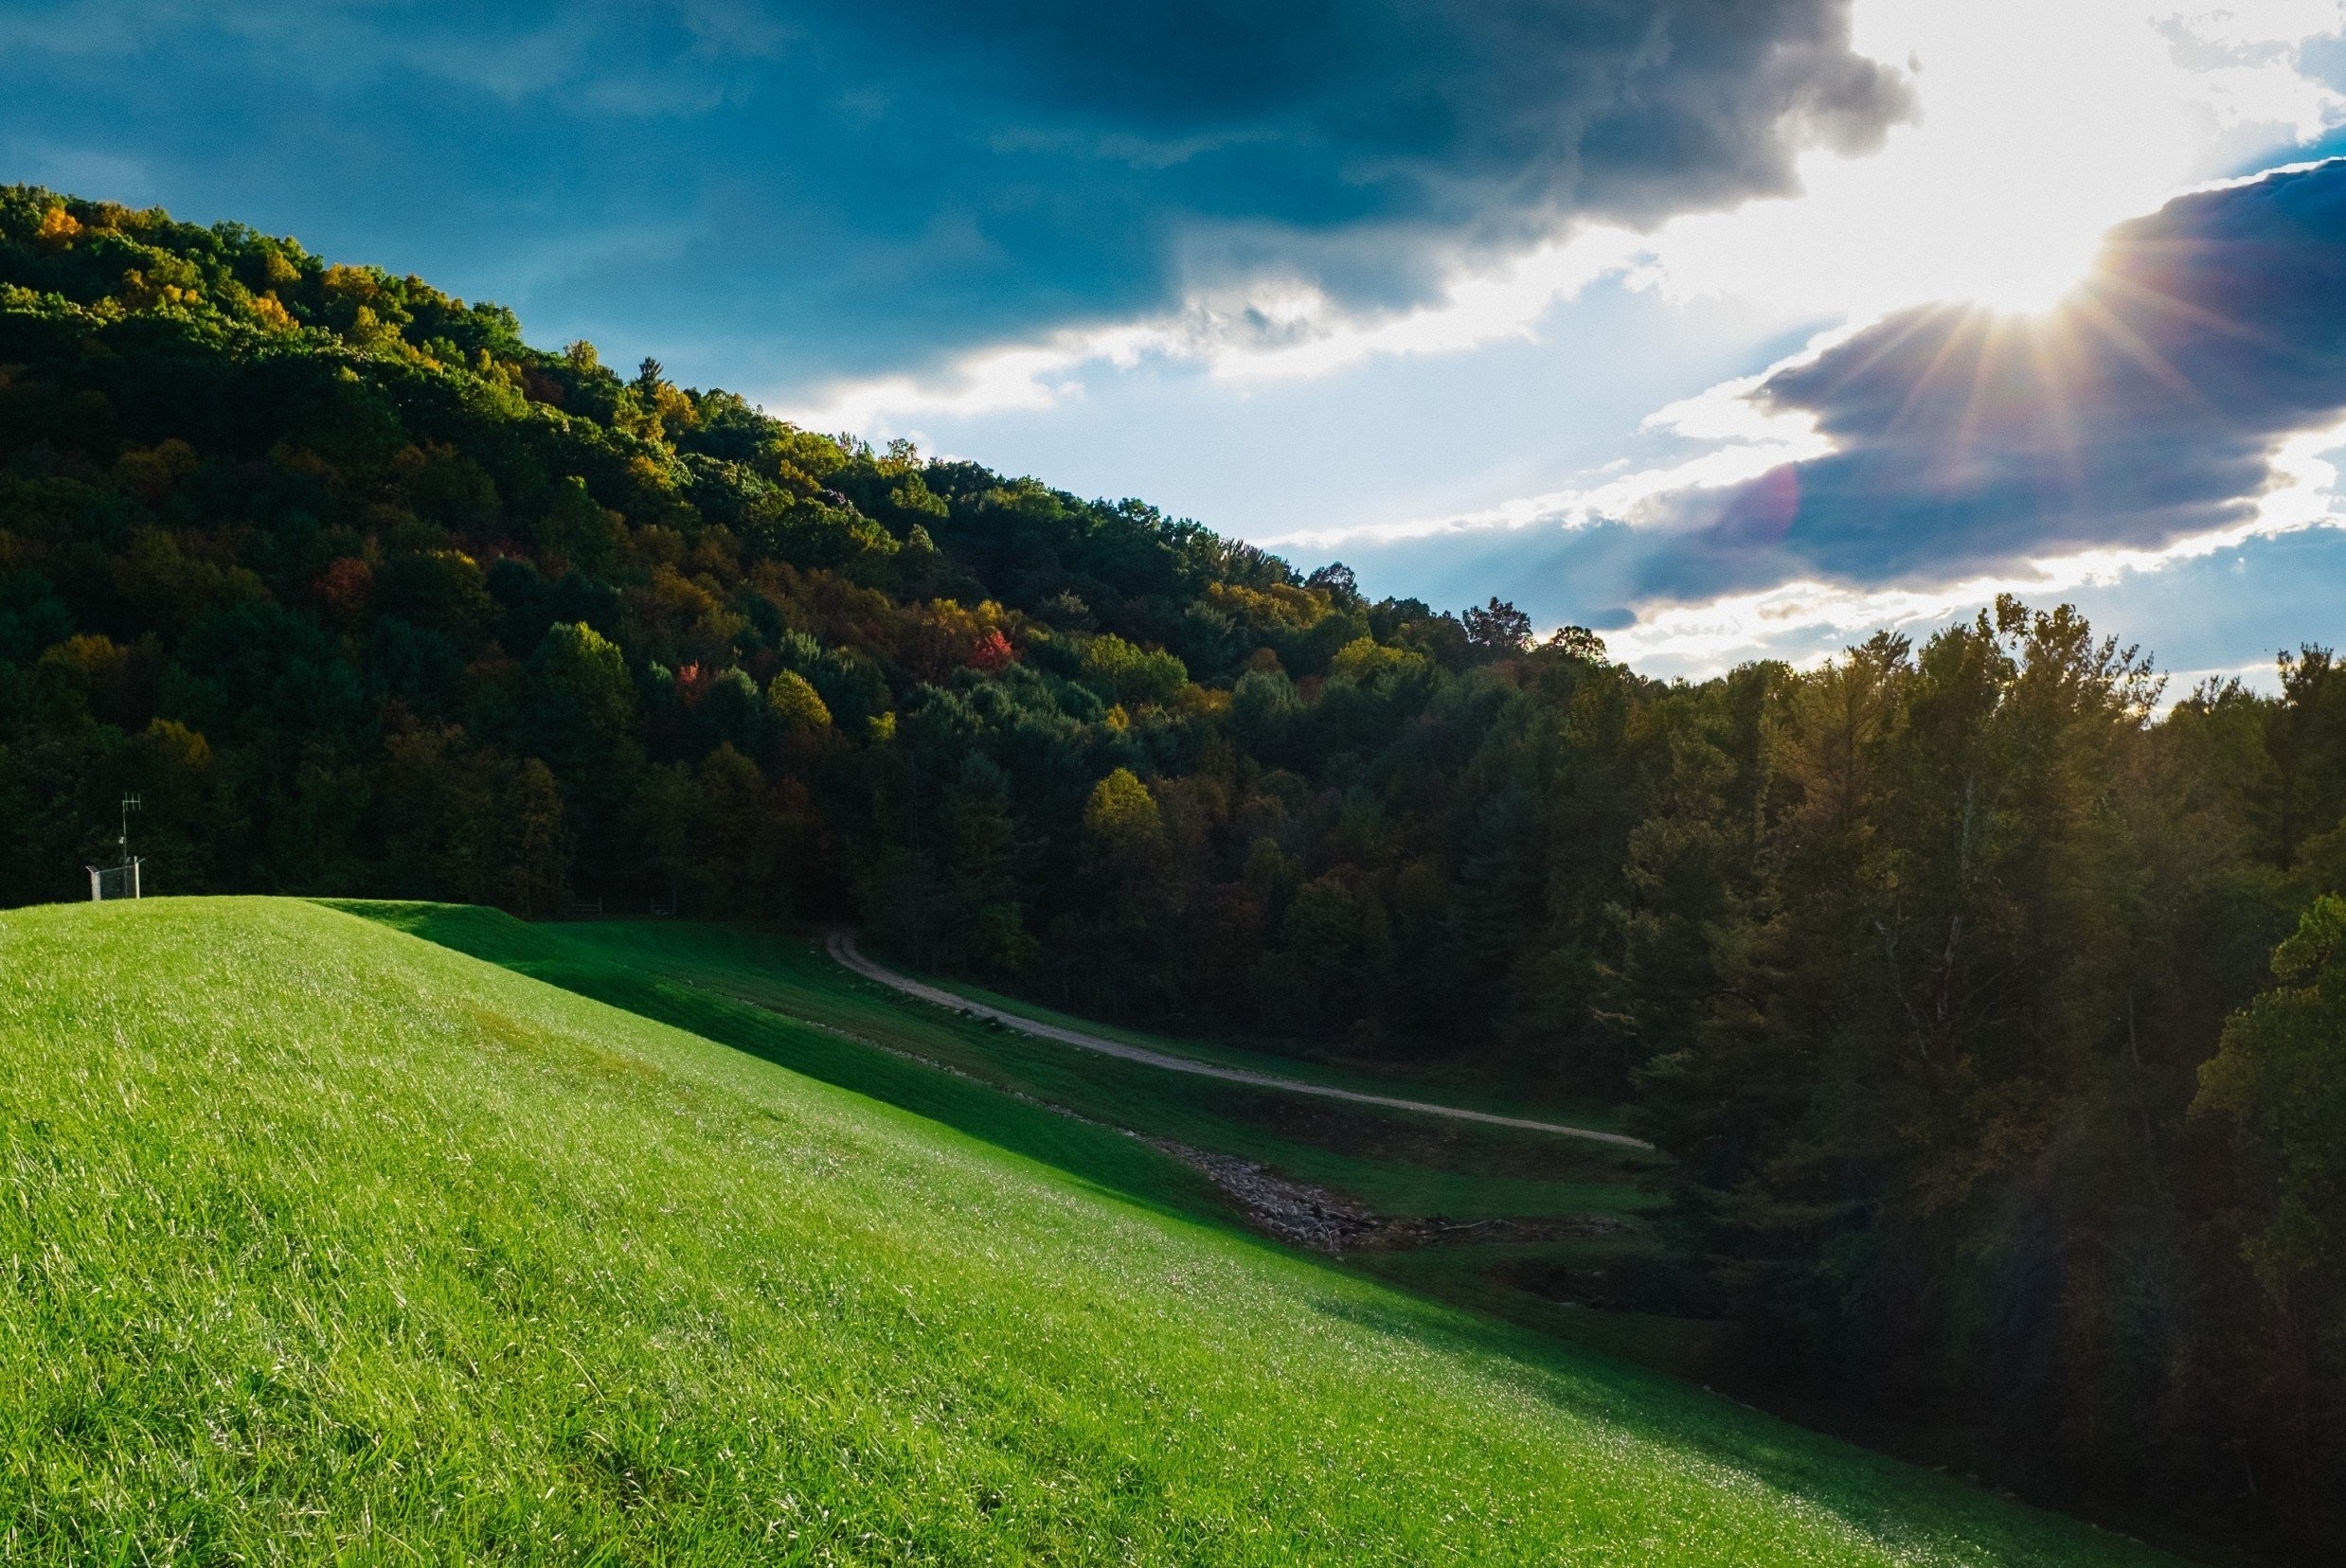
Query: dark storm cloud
point(835, 187)
point(2142, 411)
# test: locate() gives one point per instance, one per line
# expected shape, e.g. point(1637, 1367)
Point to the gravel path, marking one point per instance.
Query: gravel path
point(842, 946)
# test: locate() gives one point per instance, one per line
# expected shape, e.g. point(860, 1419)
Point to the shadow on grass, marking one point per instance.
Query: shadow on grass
point(1123, 1167)
point(1882, 1497)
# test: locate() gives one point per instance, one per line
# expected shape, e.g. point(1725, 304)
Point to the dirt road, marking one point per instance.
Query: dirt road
point(842, 946)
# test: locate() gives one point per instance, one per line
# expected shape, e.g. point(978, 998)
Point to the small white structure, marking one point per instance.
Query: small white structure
point(115, 881)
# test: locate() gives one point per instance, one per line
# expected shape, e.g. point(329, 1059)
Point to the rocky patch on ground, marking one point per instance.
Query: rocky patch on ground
point(1314, 1217)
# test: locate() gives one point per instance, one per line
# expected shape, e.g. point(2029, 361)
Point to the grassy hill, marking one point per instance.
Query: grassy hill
point(1610, 1289)
point(320, 1240)
point(1406, 1164)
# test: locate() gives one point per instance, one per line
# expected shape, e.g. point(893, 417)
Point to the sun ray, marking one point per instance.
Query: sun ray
point(1997, 328)
point(2127, 341)
point(1967, 318)
point(2047, 341)
point(2198, 315)
point(1917, 319)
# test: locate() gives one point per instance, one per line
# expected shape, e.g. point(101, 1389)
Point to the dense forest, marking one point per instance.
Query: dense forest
point(1990, 998)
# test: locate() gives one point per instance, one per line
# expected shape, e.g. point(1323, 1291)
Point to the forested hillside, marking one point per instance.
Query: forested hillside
point(1915, 961)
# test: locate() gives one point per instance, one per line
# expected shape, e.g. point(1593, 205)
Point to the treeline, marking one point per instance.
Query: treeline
point(1921, 962)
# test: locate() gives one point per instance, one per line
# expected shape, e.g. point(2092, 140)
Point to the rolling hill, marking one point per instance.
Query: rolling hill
point(1468, 1214)
point(324, 1240)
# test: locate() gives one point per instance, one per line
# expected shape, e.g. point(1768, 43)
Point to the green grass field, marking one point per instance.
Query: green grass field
point(698, 976)
point(326, 1243)
point(1403, 1163)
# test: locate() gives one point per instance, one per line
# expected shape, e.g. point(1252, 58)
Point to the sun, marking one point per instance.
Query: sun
point(2026, 278)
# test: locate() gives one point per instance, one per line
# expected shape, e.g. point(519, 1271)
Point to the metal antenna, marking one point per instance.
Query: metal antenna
point(130, 803)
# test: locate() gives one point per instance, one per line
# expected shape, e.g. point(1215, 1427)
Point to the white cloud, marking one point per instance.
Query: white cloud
point(1809, 620)
point(2043, 123)
point(1745, 441)
point(1268, 330)
point(2046, 124)
point(1031, 377)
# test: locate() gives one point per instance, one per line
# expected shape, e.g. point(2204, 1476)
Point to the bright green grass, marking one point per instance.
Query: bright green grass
point(322, 1242)
point(1399, 1163)
point(828, 1032)
point(690, 973)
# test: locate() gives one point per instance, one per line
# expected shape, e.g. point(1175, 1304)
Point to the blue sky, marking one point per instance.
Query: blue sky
point(1731, 326)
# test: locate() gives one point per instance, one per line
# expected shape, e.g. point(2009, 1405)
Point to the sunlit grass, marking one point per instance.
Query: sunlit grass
point(321, 1241)
point(743, 984)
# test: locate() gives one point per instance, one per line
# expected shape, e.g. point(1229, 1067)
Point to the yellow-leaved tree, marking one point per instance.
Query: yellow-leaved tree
point(1121, 819)
point(796, 703)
